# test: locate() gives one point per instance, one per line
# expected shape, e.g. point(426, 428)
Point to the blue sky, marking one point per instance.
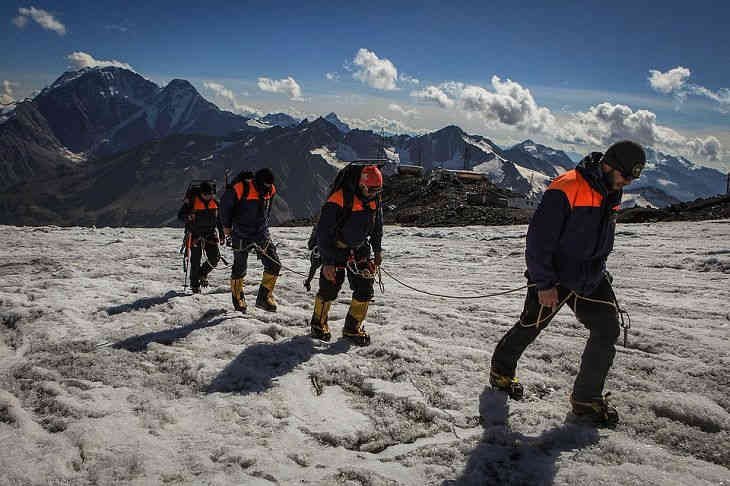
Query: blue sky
point(576, 75)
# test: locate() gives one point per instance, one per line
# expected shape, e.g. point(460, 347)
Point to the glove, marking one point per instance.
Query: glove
point(221, 239)
point(378, 258)
point(229, 241)
point(190, 217)
point(329, 272)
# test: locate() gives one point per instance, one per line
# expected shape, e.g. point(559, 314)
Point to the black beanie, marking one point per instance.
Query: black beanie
point(627, 157)
point(264, 176)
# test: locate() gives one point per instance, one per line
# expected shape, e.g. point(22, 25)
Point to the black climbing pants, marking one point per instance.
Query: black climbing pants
point(362, 288)
point(600, 319)
point(198, 271)
point(269, 258)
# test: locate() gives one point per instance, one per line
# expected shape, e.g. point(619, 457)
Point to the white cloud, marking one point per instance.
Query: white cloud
point(225, 98)
point(676, 82)
point(42, 17)
point(375, 72)
point(708, 148)
point(403, 111)
point(332, 76)
point(81, 60)
point(6, 95)
point(287, 86)
point(379, 123)
point(408, 79)
point(509, 104)
point(721, 96)
point(434, 94)
point(672, 80)
point(606, 123)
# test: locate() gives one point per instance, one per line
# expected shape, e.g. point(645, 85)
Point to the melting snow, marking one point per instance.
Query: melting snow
point(111, 374)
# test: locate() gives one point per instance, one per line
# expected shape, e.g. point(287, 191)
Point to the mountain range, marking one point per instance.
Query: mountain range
point(106, 146)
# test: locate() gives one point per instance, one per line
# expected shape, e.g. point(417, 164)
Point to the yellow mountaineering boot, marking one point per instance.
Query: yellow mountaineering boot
point(354, 329)
point(239, 301)
point(320, 329)
point(265, 298)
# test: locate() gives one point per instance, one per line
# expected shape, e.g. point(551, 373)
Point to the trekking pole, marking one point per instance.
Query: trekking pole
point(186, 258)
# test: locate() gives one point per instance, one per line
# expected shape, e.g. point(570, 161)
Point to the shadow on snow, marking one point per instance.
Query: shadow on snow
point(255, 369)
point(144, 303)
point(506, 457)
point(167, 337)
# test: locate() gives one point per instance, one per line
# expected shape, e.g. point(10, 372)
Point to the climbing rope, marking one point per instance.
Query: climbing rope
point(495, 294)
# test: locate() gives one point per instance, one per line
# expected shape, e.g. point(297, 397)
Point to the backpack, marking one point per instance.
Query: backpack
point(346, 179)
point(193, 188)
point(246, 176)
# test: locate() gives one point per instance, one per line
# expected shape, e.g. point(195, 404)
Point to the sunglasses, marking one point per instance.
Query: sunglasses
point(630, 176)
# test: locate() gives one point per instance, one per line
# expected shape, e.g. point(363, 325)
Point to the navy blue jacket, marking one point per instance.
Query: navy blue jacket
point(249, 216)
point(572, 230)
point(365, 225)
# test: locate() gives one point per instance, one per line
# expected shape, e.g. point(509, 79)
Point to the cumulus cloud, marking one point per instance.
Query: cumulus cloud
point(6, 95)
point(434, 94)
point(379, 123)
point(403, 111)
point(332, 76)
point(408, 79)
point(606, 123)
point(707, 148)
point(41, 17)
point(375, 72)
point(672, 80)
point(81, 60)
point(225, 98)
point(287, 86)
point(509, 103)
point(676, 82)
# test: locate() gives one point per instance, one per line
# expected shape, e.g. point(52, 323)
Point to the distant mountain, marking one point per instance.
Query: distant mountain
point(679, 178)
point(97, 112)
point(280, 119)
point(341, 126)
point(144, 185)
point(646, 197)
point(538, 157)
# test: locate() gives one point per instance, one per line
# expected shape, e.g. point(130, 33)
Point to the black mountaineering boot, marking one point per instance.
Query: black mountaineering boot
point(354, 329)
point(597, 411)
point(511, 386)
point(265, 298)
point(320, 329)
point(239, 301)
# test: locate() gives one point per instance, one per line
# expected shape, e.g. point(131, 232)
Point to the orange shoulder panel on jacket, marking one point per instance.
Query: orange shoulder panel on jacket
point(273, 190)
point(576, 189)
point(357, 204)
point(338, 198)
point(252, 192)
point(198, 204)
point(238, 187)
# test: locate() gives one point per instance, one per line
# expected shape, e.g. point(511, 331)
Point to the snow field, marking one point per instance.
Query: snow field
point(110, 374)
